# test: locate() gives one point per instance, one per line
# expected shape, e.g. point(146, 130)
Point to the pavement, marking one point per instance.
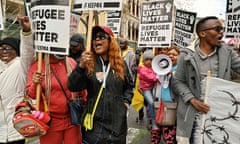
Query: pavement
point(137, 131)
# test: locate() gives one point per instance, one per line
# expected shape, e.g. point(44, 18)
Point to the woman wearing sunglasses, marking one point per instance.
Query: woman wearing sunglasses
point(103, 66)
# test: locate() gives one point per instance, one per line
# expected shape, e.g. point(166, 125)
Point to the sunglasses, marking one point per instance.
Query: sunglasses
point(7, 48)
point(216, 28)
point(101, 36)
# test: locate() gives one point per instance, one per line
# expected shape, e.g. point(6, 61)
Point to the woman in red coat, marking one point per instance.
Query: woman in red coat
point(61, 130)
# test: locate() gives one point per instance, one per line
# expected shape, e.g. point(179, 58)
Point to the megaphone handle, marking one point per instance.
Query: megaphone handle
point(166, 80)
point(159, 92)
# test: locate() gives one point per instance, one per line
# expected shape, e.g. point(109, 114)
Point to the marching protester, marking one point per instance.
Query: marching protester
point(53, 81)
point(76, 47)
point(129, 57)
point(106, 77)
point(161, 51)
point(210, 54)
point(168, 132)
point(2, 64)
point(236, 47)
point(13, 77)
point(132, 60)
point(138, 95)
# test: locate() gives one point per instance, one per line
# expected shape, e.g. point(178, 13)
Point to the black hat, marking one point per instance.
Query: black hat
point(76, 39)
point(13, 42)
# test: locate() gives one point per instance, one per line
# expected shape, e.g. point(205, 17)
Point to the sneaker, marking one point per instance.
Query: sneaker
point(155, 136)
point(138, 120)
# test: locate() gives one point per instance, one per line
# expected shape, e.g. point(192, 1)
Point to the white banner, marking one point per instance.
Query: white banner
point(222, 123)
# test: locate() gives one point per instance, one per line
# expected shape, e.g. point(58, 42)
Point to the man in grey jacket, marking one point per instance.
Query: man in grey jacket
point(210, 54)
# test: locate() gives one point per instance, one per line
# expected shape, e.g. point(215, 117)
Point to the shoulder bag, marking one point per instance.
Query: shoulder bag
point(165, 112)
point(88, 118)
point(74, 105)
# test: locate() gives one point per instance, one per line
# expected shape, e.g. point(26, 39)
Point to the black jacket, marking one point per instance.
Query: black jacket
point(111, 111)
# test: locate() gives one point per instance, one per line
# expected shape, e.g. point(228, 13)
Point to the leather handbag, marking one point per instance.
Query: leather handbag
point(166, 113)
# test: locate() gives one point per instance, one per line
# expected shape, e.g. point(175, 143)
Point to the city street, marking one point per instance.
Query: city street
point(137, 132)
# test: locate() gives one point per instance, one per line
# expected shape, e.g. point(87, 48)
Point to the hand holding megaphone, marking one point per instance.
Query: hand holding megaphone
point(162, 66)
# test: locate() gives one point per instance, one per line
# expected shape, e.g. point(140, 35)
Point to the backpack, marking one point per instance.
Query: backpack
point(30, 124)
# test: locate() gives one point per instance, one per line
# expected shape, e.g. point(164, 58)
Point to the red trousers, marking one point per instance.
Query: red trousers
point(68, 136)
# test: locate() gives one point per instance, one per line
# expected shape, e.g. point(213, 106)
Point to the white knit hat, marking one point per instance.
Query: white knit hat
point(148, 54)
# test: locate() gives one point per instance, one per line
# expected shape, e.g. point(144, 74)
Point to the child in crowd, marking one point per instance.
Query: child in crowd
point(147, 79)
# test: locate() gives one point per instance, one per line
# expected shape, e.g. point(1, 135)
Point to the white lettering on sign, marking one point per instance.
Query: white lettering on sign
point(153, 6)
point(93, 5)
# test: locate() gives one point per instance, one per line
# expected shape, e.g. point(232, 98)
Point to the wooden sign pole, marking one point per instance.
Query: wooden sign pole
point(89, 30)
point(38, 87)
point(205, 101)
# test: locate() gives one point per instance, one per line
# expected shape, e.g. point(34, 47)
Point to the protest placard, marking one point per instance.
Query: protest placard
point(84, 5)
point(114, 21)
point(74, 23)
point(232, 21)
point(184, 28)
point(47, 18)
point(155, 28)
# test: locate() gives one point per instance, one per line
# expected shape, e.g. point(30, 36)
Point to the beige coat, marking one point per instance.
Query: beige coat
point(13, 79)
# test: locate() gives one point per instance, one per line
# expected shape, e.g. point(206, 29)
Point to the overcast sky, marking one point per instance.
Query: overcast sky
point(210, 7)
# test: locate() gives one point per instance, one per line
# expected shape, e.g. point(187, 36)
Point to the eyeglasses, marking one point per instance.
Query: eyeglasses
point(6, 48)
point(100, 36)
point(216, 28)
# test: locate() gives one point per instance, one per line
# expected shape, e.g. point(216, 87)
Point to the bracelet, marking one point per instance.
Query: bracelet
point(26, 33)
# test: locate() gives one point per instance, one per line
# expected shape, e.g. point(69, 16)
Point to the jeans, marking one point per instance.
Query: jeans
point(148, 96)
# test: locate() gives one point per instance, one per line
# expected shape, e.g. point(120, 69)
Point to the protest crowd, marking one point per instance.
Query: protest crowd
point(60, 88)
